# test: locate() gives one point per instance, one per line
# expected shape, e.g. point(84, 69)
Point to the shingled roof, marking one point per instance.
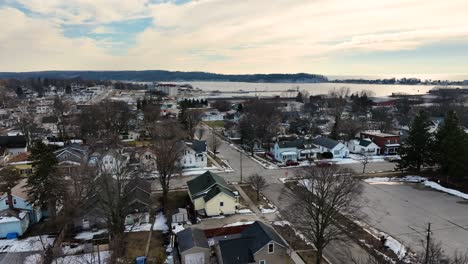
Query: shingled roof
point(203, 182)
point(253, 238)
point(190, 238)
point(12, 142)
point(325, 142)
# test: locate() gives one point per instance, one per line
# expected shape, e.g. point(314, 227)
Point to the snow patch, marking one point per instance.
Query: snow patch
point(160, 223)
point(88, 235)
point(239, 224)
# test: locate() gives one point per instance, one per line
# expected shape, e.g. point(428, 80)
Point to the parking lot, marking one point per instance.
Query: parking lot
point(403, 211)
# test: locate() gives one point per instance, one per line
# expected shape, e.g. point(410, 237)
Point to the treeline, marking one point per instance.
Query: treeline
point(447, 148)
point(158, 75)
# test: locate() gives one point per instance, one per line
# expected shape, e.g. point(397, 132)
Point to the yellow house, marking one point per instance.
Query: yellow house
point(211, 195)
point(21, 163)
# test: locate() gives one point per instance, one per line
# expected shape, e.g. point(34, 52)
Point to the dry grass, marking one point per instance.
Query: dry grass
point(252, 194)
point(136, 246)
point(176, 199)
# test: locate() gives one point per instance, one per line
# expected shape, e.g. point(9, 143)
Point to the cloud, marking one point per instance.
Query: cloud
point(230, 36)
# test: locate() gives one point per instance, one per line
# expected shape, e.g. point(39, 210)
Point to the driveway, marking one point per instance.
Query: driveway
point(403, 211)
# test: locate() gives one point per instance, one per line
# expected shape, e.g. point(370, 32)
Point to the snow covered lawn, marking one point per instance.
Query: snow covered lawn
point(418, 179)
point(159, 224)
point(24, 245)
point(244, 211)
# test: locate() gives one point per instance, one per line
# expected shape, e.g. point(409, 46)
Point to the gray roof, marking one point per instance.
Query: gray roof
point(198, 145)
point(236, 251)
point(13, 141)
point(262, 234)
point(191, 237)
point(297, 143)
point(253, 238)
point(325, 142)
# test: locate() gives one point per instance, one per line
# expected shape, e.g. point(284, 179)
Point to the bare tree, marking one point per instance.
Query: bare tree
point(191, 119)
point(337, 103)
point(325, 195)
point(214, 143)
point(61, 109)
point(26, 124)
point(365, 160)
point(258, 182)
point(168, 148)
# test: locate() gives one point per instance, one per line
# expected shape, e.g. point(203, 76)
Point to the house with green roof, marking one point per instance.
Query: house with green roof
point(211, 195)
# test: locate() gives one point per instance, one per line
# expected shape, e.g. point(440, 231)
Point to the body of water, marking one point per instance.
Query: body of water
point(270, 89)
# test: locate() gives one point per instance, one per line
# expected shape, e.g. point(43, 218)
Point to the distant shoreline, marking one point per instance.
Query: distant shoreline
point(177, 76)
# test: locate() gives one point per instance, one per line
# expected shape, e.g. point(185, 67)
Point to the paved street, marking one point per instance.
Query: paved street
point(403, 211)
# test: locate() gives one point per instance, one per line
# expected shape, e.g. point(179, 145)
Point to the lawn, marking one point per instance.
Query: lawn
point(215, 124)
point(136, 246)
point(252, 194)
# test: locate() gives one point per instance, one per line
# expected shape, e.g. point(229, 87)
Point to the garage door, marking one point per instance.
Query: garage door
point(195, 258)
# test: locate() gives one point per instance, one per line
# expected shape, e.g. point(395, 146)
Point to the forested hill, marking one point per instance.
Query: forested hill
point(165, 76)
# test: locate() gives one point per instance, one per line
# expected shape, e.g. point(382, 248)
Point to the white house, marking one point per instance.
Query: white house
point(338, 149)
point(363, 146)
point(294, 150)
point(194, 154)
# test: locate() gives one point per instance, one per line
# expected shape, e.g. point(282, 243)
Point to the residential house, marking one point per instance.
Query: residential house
point(258, 243)
point(13, 223)
point(71, 157)
point(194, 154)
point(324, 144)
point(13, 144)
point(50, 123)
point(388, 143)
point(147, 158)
point(361, 146)
point(91, 214)
point(294, 150)
point(193, 247)
point(211, 195)
point(16, 220)
point(21, 163)
point(110, 161)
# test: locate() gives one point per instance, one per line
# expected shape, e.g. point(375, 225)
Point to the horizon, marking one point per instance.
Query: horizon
point(359, 37)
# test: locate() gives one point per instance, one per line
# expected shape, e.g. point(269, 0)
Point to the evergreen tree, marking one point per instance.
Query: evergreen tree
point(452, 147)
point(416, 149)
point(45, 186)
point(9, 178)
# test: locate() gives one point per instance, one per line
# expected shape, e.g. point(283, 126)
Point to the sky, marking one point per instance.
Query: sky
point(224, 36)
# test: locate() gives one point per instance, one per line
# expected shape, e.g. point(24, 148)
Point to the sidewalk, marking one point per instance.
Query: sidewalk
point(247, 199)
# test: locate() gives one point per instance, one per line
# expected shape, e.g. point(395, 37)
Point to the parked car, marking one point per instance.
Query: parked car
point(392, 159)
point(292, 163)
point(323, 164)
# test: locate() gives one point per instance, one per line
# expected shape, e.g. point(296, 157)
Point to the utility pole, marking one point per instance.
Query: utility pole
point(428, 241)
point(240, 152)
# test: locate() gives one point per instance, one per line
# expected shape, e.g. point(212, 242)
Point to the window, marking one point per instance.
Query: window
point(261, 262)
point(6, 202)
point(221, 203)
point(271, 248)
point(14, 201)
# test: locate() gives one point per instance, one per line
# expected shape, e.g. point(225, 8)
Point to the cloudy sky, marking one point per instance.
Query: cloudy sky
point(226, 36)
